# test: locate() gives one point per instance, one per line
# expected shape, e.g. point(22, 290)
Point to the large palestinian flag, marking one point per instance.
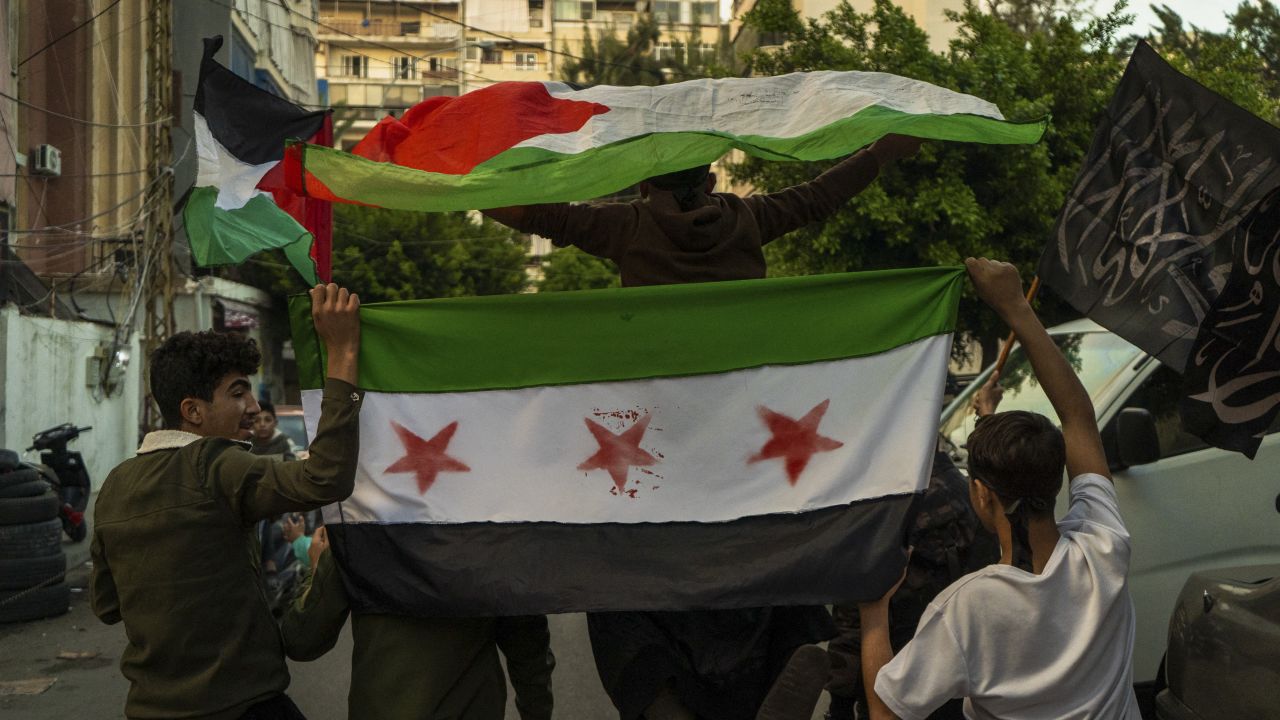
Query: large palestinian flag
point(240, 204)
point(714, 445)
point(518, 143)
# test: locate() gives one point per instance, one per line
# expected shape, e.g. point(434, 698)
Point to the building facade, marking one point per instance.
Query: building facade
point(377, 56)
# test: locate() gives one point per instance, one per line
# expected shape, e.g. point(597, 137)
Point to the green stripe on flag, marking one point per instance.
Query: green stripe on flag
point(515, 341)
point(229, 237)
point(529, 175)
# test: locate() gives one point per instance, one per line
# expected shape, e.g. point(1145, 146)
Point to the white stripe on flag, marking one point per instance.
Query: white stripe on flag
point(782, 106)
point(236, 180)
point(523, 449)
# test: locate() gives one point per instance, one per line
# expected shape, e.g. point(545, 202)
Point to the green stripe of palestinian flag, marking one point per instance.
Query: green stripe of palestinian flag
point(240, 132)
point(736, 444)
point(526, 143)
point(513, 341)
point(229, 237)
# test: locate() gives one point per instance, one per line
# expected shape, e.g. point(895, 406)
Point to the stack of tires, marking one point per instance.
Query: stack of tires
point(32, 564)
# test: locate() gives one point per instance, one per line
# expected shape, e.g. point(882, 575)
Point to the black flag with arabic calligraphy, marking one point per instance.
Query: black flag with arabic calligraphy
point(1168, 238)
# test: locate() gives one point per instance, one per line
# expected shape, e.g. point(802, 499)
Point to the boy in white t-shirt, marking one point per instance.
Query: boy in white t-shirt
point(1055, 643)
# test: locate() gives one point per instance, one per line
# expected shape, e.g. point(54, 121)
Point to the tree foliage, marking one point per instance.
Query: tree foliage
point(396, 255)
point(607, 59)
point(1033, 58)
point(571, 269)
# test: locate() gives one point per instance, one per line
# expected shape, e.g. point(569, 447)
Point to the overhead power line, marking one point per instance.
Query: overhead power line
point(68, 33)
point(82, 121)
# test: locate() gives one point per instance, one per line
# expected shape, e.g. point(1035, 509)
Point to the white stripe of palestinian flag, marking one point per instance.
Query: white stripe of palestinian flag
point(718, 445)
point(782, 106)
point(520, 143)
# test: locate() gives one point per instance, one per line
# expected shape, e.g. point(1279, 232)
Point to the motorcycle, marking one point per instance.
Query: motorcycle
point(64, 470)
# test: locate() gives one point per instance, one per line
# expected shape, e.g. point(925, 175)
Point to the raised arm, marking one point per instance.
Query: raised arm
point(599, 230)
point(999, 286)
point(258, 487)
point(786, 210)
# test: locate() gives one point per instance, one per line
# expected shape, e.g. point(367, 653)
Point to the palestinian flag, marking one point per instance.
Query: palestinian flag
point(519, 143)
point(717, 445)
point(240, 205)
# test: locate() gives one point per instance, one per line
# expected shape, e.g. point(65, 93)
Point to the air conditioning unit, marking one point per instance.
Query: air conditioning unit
point(46, 160)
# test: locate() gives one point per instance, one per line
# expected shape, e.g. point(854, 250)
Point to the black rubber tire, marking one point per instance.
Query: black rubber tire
point(19, 475)
point(42, 602)
point(9, 460)
point(24, 573)
point(26, 489)
point(34, 540)
point(28, 510)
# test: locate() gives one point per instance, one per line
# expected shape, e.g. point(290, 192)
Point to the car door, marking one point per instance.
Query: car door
point(1194, 508)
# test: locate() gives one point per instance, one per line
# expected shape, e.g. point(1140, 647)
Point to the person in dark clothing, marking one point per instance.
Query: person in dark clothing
point(681, 231)
point(716, 664)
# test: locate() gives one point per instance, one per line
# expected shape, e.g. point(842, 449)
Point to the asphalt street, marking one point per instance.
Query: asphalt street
point(80, 656)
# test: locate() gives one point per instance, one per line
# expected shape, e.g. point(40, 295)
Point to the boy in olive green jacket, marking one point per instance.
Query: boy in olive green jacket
point(174, 550)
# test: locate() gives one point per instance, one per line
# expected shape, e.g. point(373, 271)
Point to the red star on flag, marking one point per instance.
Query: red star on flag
point(620, 452)
point(426, 458)
point(794, 440)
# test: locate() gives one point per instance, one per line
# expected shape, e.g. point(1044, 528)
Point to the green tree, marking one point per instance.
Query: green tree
point(952, 200)
point(607, 59)
point(397, 255)
point(571, 269)
point(1240, 63)
point(1032, 58)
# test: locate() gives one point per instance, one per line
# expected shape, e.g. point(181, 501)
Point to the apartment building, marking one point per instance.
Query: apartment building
point(382, 56)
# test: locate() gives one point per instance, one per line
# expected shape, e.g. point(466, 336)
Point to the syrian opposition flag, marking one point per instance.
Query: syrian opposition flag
point(715, 445)
point(518, 143)
point(240, 204)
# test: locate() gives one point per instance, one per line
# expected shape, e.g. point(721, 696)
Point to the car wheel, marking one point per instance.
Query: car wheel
point(32, 540)
point(41, 602)
point(23, 573)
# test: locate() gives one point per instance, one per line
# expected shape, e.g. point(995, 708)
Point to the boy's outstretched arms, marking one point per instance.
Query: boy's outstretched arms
point(999, 286)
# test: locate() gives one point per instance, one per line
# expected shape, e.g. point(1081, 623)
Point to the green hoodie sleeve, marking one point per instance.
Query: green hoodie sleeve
point(311, 625)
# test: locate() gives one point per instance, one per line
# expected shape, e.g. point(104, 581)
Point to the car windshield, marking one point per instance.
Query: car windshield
point(1098, 358)
point(293, 426)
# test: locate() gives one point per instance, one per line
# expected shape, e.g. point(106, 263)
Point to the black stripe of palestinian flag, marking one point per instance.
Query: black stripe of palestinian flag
point(713, 445)
point(240, 134)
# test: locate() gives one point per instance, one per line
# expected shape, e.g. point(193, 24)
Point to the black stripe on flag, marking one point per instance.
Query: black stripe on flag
point(251, 123)
point(843, 554)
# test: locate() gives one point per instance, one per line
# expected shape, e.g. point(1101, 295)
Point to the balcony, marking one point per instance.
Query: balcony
point(332, 28)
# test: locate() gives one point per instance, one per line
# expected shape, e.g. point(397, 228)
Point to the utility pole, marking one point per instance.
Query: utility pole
point(157, 266)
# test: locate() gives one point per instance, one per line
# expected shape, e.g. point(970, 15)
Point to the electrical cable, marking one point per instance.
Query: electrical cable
point(82, 121)
point(351, 35)
point(64, 35)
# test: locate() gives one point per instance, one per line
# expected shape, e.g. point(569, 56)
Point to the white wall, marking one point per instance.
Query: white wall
point(42, 363)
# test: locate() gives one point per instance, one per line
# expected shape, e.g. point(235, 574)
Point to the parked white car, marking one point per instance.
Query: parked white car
point(1188, 507)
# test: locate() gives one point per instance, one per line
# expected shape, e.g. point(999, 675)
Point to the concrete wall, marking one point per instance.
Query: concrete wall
point(42, 366)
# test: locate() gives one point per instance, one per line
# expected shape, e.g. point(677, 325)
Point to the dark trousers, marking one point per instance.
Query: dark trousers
point(279, 707)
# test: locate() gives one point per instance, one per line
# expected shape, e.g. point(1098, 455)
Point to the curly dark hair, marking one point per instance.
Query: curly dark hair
point(192, 364)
